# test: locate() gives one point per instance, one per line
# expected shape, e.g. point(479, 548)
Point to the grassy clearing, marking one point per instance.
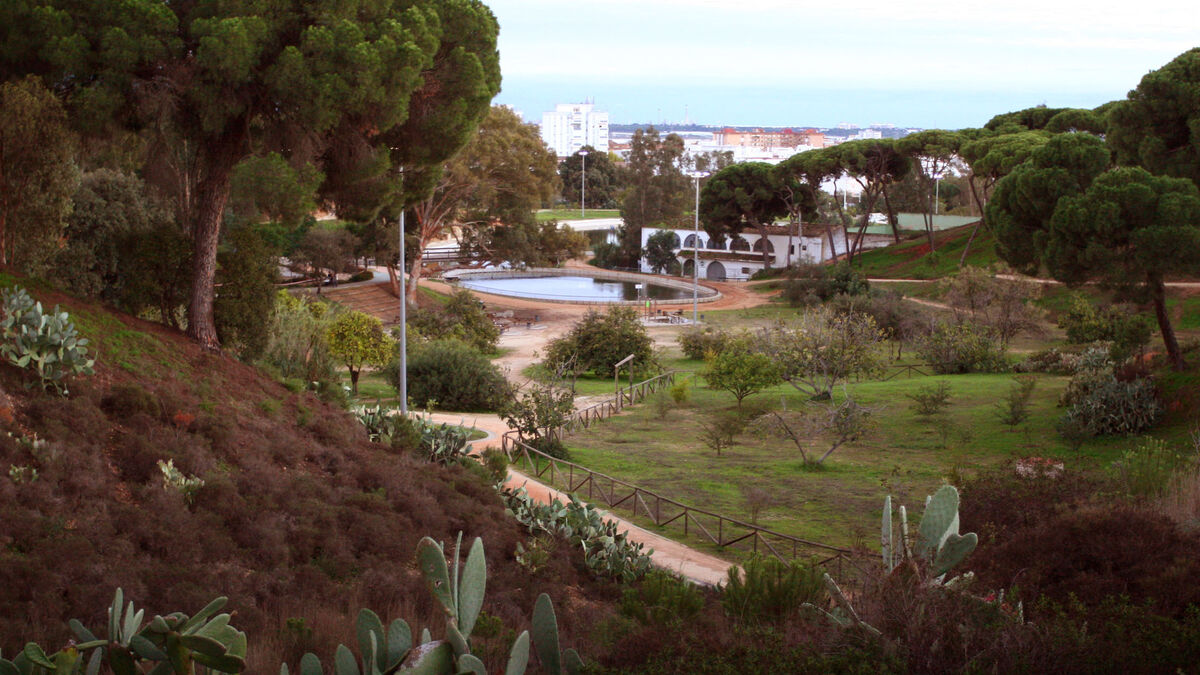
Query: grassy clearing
point(906, 456)
point(573, 214)
point(911, 260)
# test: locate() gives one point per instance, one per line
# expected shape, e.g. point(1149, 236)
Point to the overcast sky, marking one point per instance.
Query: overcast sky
point(941, 63)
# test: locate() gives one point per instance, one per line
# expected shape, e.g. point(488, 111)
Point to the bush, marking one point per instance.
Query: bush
point(462, 317)
point(1146, 471)
point(597, 341)
point(962, 348)
point(930, 399)
point(1013, 409)
point(1127, 330)
point(698, 343)
point(1051, 361)
point(454, 375)
point(45, 342)
point(811, 284)
point(1101, 404)
point(769, 590)
point(680, 392)
point(662, 598)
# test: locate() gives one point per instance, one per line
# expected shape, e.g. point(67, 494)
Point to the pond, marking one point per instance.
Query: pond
point(577, 288)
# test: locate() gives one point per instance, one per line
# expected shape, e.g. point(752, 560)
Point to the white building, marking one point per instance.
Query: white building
point(737, 259)
point(573, 125)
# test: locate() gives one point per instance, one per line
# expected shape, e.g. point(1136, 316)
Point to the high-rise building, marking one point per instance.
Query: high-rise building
point(573, 125)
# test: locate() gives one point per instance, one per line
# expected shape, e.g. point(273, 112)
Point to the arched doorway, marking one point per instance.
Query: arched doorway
point(687, 267)
point(758, 245)
point(715, 272)
point(739, 244)
point(690, 242)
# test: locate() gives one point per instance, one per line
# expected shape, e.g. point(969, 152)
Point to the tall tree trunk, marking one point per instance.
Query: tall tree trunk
point(832, 242)
point(856, 248)
point(211, 196)
point(413, 277)
point(1159, 294)
point(892, 220)
point(979, 204)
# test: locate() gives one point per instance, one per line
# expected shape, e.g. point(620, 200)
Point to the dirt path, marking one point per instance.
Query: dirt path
point(701, 568)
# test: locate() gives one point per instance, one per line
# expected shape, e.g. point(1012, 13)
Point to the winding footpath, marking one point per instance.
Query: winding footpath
point(699, 567)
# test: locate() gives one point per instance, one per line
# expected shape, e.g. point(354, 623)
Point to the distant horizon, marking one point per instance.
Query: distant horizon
point(927, 66)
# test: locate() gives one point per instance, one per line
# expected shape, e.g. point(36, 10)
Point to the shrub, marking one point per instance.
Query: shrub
point(1100, 404)
point(662, 598)
point(1052, 361)
point(462, 317)
point(811, 284)
point(1013, 409)
point(455, 375)
point(930, 399)
point(822, 348)
point(1127, 330)
point(1146, 471)
point(126, 400)
point(697, 343)
point(246, 274)
point(357, 340)
point(680, 392)
point(46, 343)
point(443, 443)
point(598, 341)
point(741, 372)
point(962, 348)
point(769, 590)
point(719, 430)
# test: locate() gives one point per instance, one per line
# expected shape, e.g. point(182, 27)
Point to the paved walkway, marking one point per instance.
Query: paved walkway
point(669, 554)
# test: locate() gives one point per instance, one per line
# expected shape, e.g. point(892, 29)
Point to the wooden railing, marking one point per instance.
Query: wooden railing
point(910, 369)
point(628, 395)
point(724, 532)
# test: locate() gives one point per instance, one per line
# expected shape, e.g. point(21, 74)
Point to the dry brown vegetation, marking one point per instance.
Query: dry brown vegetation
point(301, 520)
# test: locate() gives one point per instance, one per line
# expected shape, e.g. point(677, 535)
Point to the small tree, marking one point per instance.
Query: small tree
point(1013, 409)
point(357, 340)
point(842, 423)
point(741, 372)
point(720, 429)
point(660, 251)
point(822, 349)
point(539, 410)
point(598, 341)
point(1001, 304)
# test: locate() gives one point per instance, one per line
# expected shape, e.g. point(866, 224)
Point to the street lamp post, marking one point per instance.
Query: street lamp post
point(583, 184)
point(403, 389)
point(696, 175)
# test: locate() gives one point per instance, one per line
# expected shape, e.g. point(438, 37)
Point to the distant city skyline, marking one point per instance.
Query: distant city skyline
point(780, 63)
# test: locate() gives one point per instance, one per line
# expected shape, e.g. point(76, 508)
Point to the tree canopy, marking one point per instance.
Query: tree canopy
point(739, 196)
point(657, 189)
point(215, 82)
point(604, 179)
point(1158, 126)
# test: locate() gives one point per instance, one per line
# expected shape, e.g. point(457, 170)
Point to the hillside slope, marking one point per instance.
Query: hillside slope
point(301, 520)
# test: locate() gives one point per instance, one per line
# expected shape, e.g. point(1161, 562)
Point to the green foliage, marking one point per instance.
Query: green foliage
point(740, 371)
point(443, 443)
point(247, 275)
point(174, 644)
point(606, 255)
point(930, 399)
point(598, 341)
point(1013, 409)
point(720, 429)
point(389, 427)
point(37, 173)
point(962, 348)
point(459, 593)
point(268, 188)
point(767, 590)
point(44, 342)
point(1105, 405)
point(607, 551)
point(454, 375)
point(462, 317)
point(1127, 331)
point(660, 252)
point(697, 343)
point(174, 479)
point(538, 411)
point(296, 339)
point(662, 598)
point(1157, 126)
point(739, 196)
point(680, 392)
point(604, 180)
point(822, 348)
point(1146, 470)
point(358, 341)
point(657, 192)
point(807, 285)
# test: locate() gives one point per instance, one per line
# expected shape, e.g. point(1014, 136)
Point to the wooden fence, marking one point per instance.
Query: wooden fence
point(726, 533)
point(629, 395)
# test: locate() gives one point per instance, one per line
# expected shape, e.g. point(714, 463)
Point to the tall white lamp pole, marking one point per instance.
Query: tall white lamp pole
point(696, 175)
point(583, 184)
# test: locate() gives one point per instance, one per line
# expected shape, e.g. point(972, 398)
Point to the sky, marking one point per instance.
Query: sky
point(932, 63)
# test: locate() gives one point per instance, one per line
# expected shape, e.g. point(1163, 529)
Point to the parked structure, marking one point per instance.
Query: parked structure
point(738, 258)
point(573, 125)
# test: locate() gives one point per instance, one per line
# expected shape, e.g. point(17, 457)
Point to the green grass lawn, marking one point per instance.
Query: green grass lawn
point(573, 214)
point(911, 260)
point(839, 504)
